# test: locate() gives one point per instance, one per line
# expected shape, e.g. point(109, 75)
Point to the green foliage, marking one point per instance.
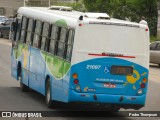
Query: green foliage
point(127, 9)
point(131, 10)
point(154, 38)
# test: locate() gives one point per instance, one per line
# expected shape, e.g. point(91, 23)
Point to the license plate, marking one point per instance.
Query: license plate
point(122, 70)
point(109, 85)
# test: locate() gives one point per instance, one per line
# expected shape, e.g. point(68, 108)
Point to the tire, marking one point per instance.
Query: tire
point(1, 36)
point(20, 78)
point(49, 102)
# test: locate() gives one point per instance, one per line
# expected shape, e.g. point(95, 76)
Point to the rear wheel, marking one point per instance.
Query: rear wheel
point(49, 101)
point(20, 78)
point(1, 36)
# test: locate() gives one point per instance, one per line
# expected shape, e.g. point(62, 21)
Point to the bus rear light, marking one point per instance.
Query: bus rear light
point(75, 75)
point(144, 80)
point(140, 91)
point(80, 25)
point(143, 85)
point(78, 87)
point(76, 81)
point(146, 29)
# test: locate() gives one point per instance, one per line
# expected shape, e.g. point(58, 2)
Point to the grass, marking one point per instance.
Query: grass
point(154, 38)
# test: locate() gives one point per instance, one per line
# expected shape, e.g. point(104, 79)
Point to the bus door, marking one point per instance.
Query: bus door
point(14, 36)
point(24, 49)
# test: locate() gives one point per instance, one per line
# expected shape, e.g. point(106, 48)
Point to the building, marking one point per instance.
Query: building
point(158, 22)
point(9, 7)
point(45, 3)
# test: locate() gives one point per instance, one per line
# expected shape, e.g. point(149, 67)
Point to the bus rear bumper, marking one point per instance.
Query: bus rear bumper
point(122, 100)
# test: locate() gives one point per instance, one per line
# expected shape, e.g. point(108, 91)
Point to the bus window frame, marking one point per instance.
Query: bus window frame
point(55, 40)
point(62, 42)
point(30, 31)
point(66, 44)
point(18, 30)
point(23, 29)
point(39, 34)
point(46, 37)
point(69, 44)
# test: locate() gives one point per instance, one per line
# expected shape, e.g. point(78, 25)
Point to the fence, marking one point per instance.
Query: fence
point(44, 3)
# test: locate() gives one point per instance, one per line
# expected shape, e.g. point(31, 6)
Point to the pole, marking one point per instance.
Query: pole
point(49, 3)
point(24, 1)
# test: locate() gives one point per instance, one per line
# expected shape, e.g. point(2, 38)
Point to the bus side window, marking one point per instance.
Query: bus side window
point(69, 45)
point(44, 35)
point(53, 39)
point(29, 31)
point(36, 37)
point(18, 29)
point(23, 29)
point(61, 42)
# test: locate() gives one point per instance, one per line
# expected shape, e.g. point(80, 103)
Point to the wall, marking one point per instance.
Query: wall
point(10, 6)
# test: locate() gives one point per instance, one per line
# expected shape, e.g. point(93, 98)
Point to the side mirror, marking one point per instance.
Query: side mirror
point(14, 44)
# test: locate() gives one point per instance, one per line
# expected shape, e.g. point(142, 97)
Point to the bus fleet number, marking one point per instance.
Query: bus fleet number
point(93, 67)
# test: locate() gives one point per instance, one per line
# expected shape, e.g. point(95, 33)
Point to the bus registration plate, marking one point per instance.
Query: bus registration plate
point(109, 85)
point(122, 70)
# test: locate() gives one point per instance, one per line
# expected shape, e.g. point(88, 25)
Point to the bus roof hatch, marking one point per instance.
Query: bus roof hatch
point(61, 8)
point(97, 15)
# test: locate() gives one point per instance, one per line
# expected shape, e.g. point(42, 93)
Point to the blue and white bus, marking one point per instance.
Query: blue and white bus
point(72, 56)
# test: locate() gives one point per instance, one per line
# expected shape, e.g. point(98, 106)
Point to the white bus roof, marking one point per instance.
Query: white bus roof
point(68, 18)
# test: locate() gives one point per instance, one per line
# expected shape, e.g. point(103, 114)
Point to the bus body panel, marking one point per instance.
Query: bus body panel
point(97, 48)
point(108, 99)
point(120, 40)
point(95, 77)
point(35, 68)
point(13, 63)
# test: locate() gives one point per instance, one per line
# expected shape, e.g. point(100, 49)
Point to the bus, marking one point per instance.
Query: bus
point(70, 56)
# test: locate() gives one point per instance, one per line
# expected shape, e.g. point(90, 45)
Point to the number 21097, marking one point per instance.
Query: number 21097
point(93, 67)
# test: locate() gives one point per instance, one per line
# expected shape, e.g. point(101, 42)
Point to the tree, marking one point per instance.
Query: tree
point(127, 9)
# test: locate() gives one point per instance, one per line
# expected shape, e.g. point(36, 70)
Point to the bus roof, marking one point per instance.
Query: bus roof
point(68, 18)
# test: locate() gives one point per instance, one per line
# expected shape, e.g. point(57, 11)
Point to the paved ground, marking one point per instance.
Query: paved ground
point(12, 98)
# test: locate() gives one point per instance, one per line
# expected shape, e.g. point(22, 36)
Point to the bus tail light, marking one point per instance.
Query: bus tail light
point(140, 91)
point(76, 81)
point(78, 87)
point(143, 85)
point(80, 25)
point(144, 80)
point(75, 75)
